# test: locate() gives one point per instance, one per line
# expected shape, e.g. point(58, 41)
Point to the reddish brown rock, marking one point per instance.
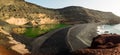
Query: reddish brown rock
point(106, 44)
point(106, 41)
point(112, 51)
point(5, 51)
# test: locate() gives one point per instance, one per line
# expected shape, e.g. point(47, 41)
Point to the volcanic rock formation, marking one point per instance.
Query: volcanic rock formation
point(106, 44)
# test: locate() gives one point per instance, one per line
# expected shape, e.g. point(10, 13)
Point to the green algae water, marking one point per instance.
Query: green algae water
point(39, 30)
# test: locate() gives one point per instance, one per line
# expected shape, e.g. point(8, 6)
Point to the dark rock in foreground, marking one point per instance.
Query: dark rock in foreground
point(106, 44)
point(106, 41)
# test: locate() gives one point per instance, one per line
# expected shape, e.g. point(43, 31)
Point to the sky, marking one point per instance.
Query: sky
point(102, 5)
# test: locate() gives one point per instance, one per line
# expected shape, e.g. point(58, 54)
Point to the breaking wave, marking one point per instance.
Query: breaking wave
point(103, 29)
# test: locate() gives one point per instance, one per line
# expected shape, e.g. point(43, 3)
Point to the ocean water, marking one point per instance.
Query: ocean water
point(107, 29)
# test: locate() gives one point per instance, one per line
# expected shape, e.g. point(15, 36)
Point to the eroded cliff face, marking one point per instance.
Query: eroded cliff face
point(16, 21)
point(40, 20)
point(43, 19)
point(68, 15)
point(24, 12)
point(9, 46)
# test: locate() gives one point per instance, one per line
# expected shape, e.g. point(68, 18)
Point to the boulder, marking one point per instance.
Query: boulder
point(105, 44)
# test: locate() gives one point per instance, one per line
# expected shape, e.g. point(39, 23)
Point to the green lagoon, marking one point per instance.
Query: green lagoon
point(36, 31)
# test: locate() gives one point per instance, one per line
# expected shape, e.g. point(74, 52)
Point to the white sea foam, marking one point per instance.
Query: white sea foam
point(102, 29)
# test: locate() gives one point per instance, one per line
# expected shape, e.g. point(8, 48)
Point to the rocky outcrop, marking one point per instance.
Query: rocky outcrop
point(10, 45)
point(106, 41)
point(112, 51)
point(106, 44)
